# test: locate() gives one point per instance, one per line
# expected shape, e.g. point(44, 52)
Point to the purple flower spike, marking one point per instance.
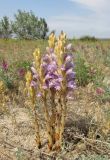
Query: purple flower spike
point(50, 70)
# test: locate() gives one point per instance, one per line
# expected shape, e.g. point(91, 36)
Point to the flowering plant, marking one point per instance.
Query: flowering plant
point(52, 76)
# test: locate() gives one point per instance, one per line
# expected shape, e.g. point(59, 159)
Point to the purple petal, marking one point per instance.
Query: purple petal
point(47, 58)
point(68, 59)
point(69, 65)
point(52, 67)
point(63, 68)
point(71, 85)
point(39, 94)
point(33, 84)
point(70, 76)
point(68, 55)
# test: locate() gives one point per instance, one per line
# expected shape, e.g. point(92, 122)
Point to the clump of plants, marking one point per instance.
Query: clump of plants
point(52, 79)
point(5, 75)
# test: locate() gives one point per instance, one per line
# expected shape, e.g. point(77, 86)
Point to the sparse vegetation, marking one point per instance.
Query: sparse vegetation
point(87, 128)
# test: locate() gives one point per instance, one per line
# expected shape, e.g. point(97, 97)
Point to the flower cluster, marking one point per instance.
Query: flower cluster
point(69, 74)
point(53, 74)
point(49, 66)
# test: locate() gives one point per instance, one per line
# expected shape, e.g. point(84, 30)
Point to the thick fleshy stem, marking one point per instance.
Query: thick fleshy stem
point(63, 118)
point(53, 116)
point(58, 125)
point(50, 140)
point(36, 124)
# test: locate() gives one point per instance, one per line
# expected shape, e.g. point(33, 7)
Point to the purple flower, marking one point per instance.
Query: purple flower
point(5, 65)
point(63, 68)
point(70, 76)
point(33, 84)
point(48, 76)
point(68, 56)
point(69, 65)
point(71, 85)
point(68, 59)
point(52, 67)
point(39, 94)
point(54, 84)
point(21, 72)
point(46, 58)
point(70, 70)
point(53, 81)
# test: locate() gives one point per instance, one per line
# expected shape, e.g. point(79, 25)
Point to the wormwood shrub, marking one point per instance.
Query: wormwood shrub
point(52, 78)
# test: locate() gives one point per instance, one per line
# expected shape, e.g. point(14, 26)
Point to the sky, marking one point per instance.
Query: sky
point(76, 17)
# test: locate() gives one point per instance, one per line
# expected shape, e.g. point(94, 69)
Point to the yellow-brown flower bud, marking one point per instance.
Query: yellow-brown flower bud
point(51, 40)
point(28, 76)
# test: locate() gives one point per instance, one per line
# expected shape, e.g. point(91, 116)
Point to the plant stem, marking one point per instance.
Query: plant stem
point(63, 118)
point(50, 144)
point(58, 124)
point(53, 116)
point(37, 128)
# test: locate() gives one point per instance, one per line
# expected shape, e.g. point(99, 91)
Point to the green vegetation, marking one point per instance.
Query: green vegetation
point(88, 38)
point(25, 26)
point(5, 28)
